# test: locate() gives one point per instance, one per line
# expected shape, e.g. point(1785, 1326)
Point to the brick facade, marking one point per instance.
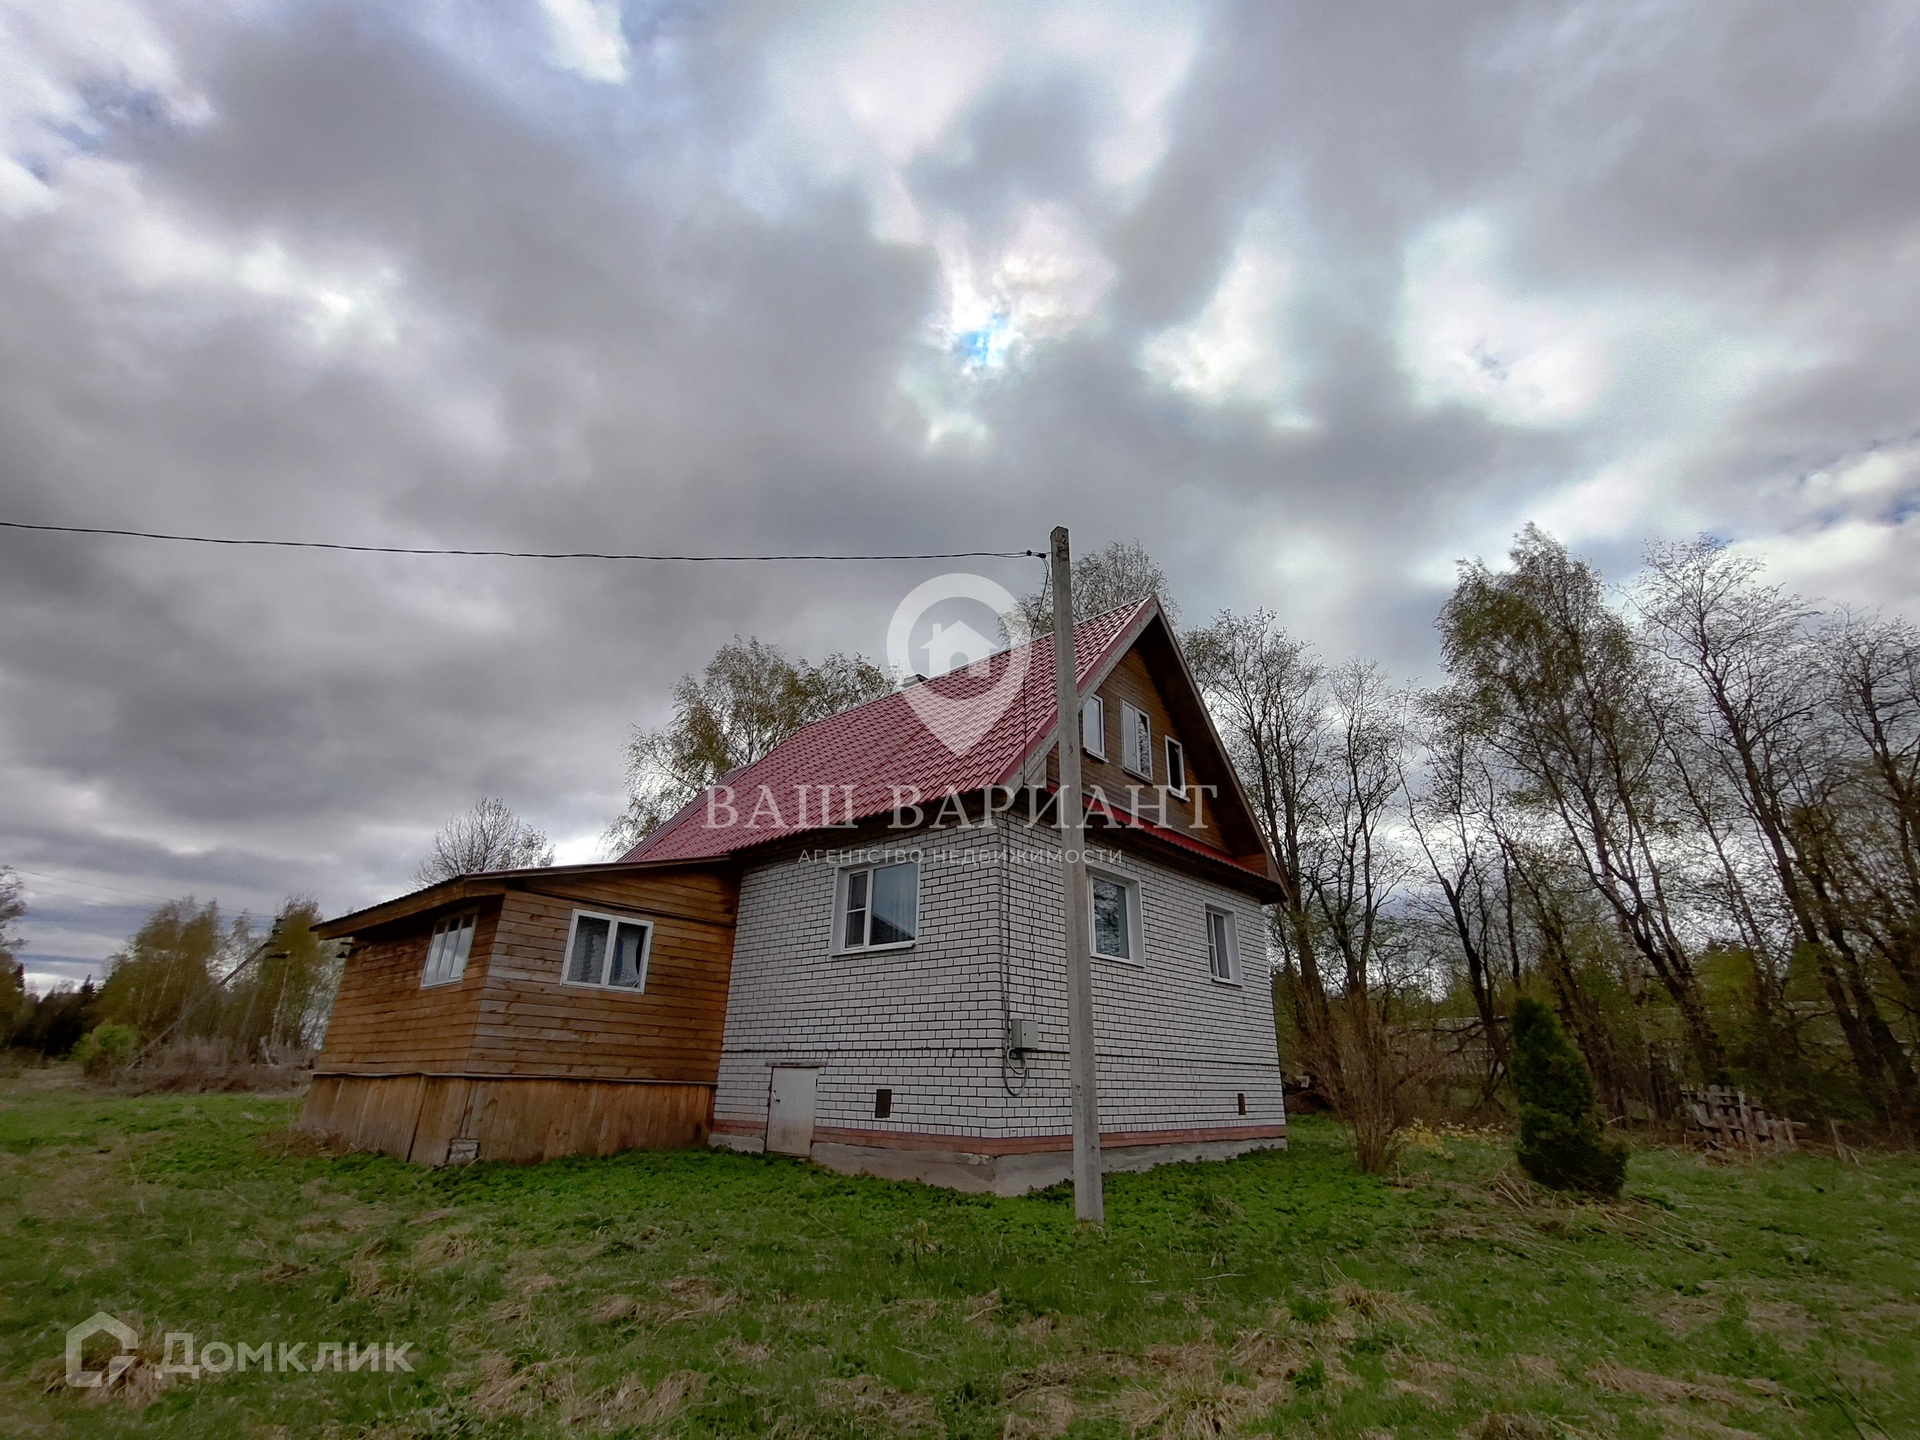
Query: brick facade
point(1177, 1048)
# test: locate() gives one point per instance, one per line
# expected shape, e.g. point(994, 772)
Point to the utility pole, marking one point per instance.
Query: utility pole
point(1089, 1202)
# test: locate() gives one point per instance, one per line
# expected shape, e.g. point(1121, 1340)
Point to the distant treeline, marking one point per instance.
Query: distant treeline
point(188, 973)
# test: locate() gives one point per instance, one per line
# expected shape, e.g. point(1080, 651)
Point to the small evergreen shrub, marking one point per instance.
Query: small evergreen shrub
point(103, 1050)
point(1562, 1144)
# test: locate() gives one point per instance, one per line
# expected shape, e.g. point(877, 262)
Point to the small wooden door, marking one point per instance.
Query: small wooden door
point(790, 1110)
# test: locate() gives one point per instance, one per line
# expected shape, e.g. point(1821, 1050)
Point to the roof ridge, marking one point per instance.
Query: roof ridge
point(987, 659)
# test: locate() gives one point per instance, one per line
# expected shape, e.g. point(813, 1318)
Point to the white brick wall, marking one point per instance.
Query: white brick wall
point(1175, 1047)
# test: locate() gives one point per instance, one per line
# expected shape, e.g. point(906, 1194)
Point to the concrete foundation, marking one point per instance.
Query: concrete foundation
point(1016, 1173)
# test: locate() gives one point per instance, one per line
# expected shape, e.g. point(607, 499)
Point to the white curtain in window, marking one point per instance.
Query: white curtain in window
point(895, 896)
point(588, 961)
point(1110, 922)
point(625, 968)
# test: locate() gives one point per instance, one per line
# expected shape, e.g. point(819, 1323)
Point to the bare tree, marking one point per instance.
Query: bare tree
point(1452, 818)
point(1355, 868)
point(487, 837)
point(1764, 723)
point(1119, 573)
point(1555, 680)
point(1874, 670)
point(749, 698)
point(13, 989)
point(1265, 689)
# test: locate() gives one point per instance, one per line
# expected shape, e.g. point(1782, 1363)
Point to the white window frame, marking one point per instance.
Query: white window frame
point(1175, 750)
point(440, 968)
point(1093, 733)
point(613, 920)
point(1133, 721)
point(841, 878)
point(1135, 933)
point(1232, 977)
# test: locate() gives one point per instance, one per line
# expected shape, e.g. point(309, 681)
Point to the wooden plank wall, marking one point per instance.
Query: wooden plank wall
point(384, 1020)
point(1131, 682)
point(531, 1024)
point(414, 1117)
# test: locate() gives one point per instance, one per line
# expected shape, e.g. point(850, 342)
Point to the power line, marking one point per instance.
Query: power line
point(501, 554)
point(77, 880)
point(39, 890)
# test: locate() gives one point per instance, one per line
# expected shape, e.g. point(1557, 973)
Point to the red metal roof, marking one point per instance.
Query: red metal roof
point(861, 755)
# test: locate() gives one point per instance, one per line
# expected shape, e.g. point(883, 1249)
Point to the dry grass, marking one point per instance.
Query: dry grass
point(1380, 1306)
point(1543, 1368)
point(1788, 1323)
point(876, 1407)
point(193, 1067)
point(1625, 1381)
point(1496, 1426)
point(1679, 1314)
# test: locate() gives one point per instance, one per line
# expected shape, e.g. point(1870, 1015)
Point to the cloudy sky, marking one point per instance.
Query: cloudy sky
point(1313, 299)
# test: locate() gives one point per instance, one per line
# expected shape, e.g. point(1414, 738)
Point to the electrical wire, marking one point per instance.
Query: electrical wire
point(500, 554)
point(92, 884)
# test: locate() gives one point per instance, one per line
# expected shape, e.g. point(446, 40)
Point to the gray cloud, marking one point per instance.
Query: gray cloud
point(335, 275)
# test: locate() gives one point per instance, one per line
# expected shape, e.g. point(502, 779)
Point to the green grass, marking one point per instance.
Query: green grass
point(713, 1294)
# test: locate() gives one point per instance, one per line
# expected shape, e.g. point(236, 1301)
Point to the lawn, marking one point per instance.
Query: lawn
point(716, 1294)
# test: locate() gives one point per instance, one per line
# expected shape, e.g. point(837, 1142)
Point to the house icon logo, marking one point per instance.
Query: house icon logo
point(99, 1323)
point(956, 646)
point(959, 720)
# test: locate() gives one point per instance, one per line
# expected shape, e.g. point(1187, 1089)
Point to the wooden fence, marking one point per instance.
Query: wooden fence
point(1725, 1120)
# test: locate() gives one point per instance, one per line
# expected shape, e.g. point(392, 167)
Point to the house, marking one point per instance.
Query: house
point(851, 950)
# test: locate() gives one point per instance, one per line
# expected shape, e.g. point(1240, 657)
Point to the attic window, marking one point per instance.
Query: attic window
point(1176, 768)
point(1136, 742)
point(608, 951)
point(1093, 727)
point(448, 950)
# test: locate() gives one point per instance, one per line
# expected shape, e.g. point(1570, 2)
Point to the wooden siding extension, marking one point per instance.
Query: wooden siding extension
point(516, 1120)
point(511, 1059)
point(529, 1022)
point(383, 1019)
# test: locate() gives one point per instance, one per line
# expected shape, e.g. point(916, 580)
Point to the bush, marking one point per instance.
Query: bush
point(1562, 1144)
point(103, 1050)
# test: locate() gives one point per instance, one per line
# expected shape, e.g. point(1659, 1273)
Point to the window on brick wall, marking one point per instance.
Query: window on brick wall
point(448, 950)
point(1223, 946)
point(608, 951)
point(1114, 923)
point(877, 907)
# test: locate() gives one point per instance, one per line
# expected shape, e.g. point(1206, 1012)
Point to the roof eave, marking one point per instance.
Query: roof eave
point(483, 883)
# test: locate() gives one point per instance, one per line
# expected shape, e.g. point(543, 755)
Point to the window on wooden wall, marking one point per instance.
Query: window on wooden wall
point(608, 951)
point(448, 950)
point(1176, 768)
point(1093, 727)
point(877, 906)
point(1136, 741)
point(1114, 924)
point(1223, 946)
